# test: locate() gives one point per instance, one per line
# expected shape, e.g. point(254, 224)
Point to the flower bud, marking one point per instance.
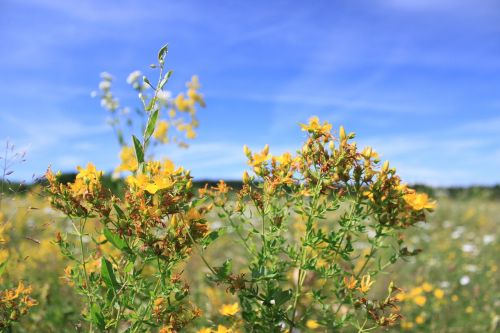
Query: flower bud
point(385, 167)
point(247, 151)
point(246, 178)
point(265, 151)
point(174, 221)
point(342, 135)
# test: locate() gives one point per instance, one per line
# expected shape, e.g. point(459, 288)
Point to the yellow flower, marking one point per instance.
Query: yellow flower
point(407, 325)
point(315, 126)
point(454, 298)
point(204, 330)
point(90, 173)
point(222, 329)
point(427, 287)
point(312, 324)
point(401, 296)
point(87, 180)
point(128, 160)
point(142, 182)
point(438, 293)
point(258, 158)
point(181, 103)
point(350, 282)
point(190, 133)
point(161, 130)
point(284, 159)
point(420, 300)
point(229, 309)
point(420, 319)
point(419, 201)
point(366, 283)
point(469, 309)
point(415, 291)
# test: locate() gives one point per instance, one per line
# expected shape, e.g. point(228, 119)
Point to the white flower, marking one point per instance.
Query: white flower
point(471, 268)
point(134, 76)
point(487, 239)
point(104, 85)
point(444, 284)
point(468, 248)
point(163, 96)
point(106, 76)
point(272, 302)
point(457, 232)
point(464, 280)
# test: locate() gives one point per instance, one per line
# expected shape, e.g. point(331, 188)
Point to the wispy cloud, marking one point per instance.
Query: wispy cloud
point(415, 79)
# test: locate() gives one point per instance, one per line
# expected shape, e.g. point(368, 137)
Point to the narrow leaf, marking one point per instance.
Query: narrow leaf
point(165, 78)
point(108, 275)
point(151, 104)
point(139, 152)
point(162, 53)
point(145, 79)
point(3, 266)
point(114, 239)
point(119, 211)
point(96, 316)
point(150, 128)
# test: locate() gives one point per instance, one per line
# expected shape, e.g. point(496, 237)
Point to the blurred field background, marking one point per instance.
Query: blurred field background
point(451, 286)
point(417, 80)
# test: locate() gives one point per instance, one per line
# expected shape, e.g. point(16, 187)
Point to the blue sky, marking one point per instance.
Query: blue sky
point(419, 80)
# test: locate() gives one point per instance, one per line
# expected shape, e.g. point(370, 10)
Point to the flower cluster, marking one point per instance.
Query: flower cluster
point(308, 279)
point(14, 303)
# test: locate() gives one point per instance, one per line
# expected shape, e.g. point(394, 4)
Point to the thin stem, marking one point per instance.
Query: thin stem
point(243, 239)
point(4, 172)
point(200, 251)
point(303, 257)
point(84, 265)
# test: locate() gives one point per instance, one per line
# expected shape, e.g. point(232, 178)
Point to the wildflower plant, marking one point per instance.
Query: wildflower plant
point(174, 117)
point(318, 228)
point(127, 253)
point(15, 301)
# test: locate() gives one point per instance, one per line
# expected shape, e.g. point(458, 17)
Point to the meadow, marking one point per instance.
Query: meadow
point(324, 239)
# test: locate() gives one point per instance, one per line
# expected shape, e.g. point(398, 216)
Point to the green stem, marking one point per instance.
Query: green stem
point(243, 239)
point(84, 264)
point(303, 257)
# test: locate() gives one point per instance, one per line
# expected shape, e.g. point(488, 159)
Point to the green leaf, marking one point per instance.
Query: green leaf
point(114, 239)
point(3, 266)
point(145, 79)
point(96, 316)
point(108, 275)
point(162, 53)
point(211, 237)
point(165, 78)
point(120, 212)
point(225, 270)
point(139, 152)
point(282, 296)
point(150, 128)
point(151, 103)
